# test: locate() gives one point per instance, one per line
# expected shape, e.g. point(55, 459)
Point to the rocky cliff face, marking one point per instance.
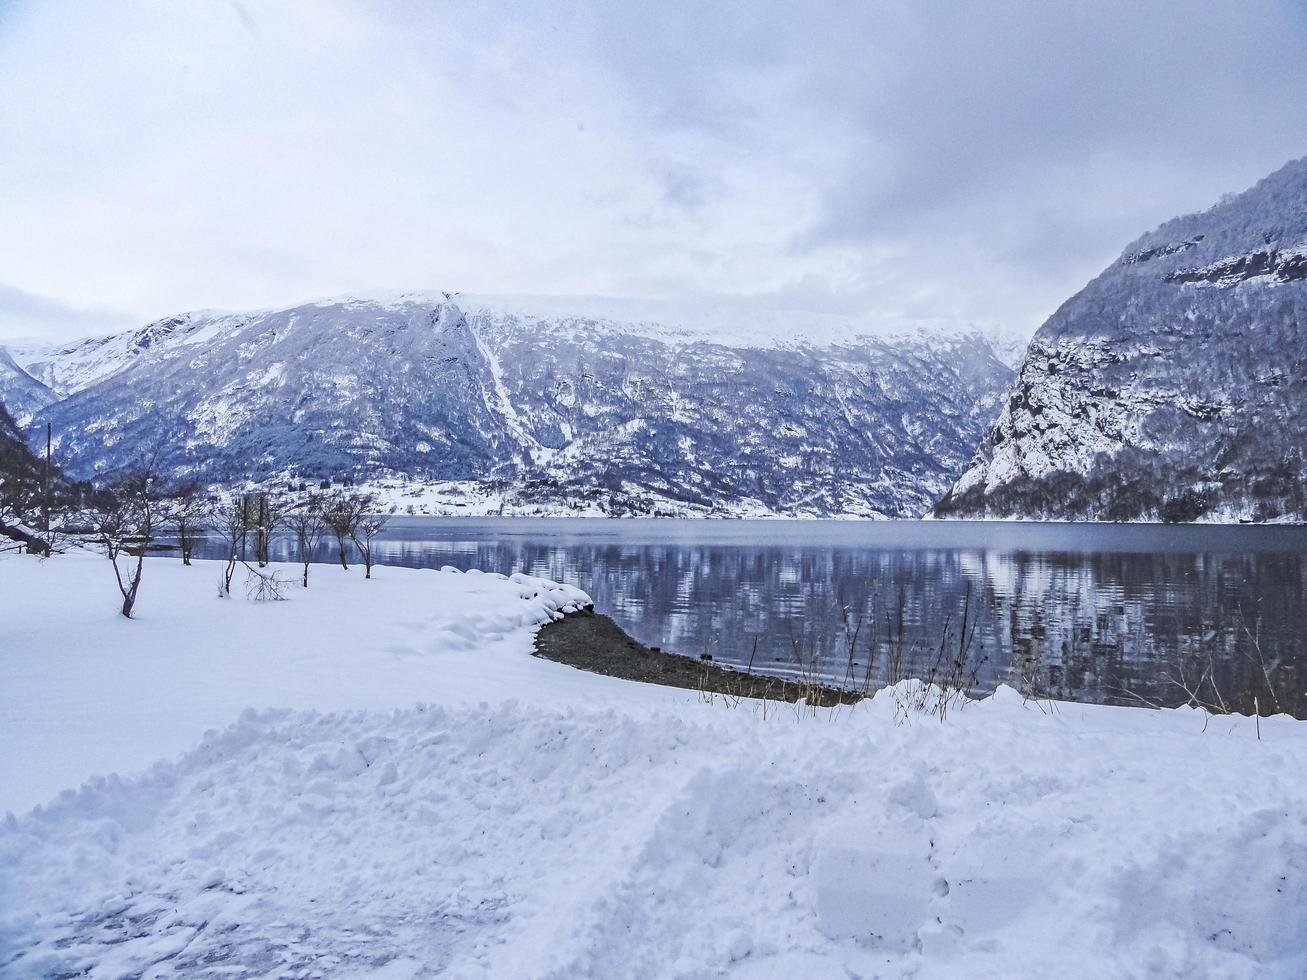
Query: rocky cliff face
point(1173, 386)
point(562, 410)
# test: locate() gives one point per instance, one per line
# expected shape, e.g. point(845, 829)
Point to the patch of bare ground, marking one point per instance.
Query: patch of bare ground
point(590, 641)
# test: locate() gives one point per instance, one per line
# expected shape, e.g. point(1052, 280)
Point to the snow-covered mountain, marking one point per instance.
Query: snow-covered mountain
point(1173, 386)
point(22, 394)
point(557, 410)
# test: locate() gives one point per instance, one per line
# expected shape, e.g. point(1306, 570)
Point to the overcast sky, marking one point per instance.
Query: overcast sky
point(963, 162)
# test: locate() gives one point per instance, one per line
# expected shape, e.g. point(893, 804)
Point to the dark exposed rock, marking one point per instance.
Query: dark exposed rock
point(1267, 263)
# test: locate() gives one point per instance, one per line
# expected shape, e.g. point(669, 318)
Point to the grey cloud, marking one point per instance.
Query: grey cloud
point(24, 314)
point(978, 161)
point(1044, 135)
point(685, 187)
point(1012, 102)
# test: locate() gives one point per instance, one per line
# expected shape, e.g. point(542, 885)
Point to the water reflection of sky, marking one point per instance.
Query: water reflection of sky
point(1091, 612)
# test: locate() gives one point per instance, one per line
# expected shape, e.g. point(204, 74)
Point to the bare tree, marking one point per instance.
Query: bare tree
point(228, 518)
point(15, 496)
point(306, 521)
point(22, 496)
point(367, 527)
point(188, 512)
point(342, 515)
point(127, 517)
point(264, 513)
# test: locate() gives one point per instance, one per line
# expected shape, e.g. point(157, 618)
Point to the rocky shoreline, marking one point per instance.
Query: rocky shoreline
point(591, 641)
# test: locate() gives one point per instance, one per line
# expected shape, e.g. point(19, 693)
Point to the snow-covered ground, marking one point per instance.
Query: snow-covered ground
point(86, 692)
point(529, 820)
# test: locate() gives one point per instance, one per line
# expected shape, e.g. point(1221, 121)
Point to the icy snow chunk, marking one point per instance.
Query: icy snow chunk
point(874, 885)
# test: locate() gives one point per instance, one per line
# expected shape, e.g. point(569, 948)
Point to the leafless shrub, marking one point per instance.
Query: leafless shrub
point(188, 513)
point(13, 536)
point(1267, 693)
point(923, 679)
point(941, 674)
point(305, 520)
point(1196, 679)
point(125, 518)
point(954, 671)
point(263, 586)
point(366, 528)
point(808, 674)
point(342, 515)
point(228, 518)
point(263, 513)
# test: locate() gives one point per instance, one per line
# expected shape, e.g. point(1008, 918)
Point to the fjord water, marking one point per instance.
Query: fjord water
point(1104, 613)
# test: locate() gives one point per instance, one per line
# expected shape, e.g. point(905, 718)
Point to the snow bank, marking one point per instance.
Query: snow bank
point(520, 841)
point(581, 826)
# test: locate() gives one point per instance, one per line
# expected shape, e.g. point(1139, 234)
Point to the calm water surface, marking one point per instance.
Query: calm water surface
point(1104, 613)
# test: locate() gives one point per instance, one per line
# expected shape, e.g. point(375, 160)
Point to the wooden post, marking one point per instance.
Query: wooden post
point(48, 438)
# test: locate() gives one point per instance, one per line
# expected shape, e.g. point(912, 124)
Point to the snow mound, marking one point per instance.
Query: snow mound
point(525, 841)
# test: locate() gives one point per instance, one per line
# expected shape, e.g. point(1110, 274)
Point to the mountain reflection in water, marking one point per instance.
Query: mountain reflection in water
point(1102, 613)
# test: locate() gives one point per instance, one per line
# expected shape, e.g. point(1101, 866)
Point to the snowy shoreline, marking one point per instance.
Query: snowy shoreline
point(451, 499)
point(417, 795)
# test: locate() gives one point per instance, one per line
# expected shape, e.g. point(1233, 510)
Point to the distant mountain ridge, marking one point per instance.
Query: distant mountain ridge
point(560, 410)
point(1173, 386)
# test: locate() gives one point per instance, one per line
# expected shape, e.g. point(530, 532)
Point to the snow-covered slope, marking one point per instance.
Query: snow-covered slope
point(69, 368)
point(561, 410)
point(1174, 385)
point(20, 393)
